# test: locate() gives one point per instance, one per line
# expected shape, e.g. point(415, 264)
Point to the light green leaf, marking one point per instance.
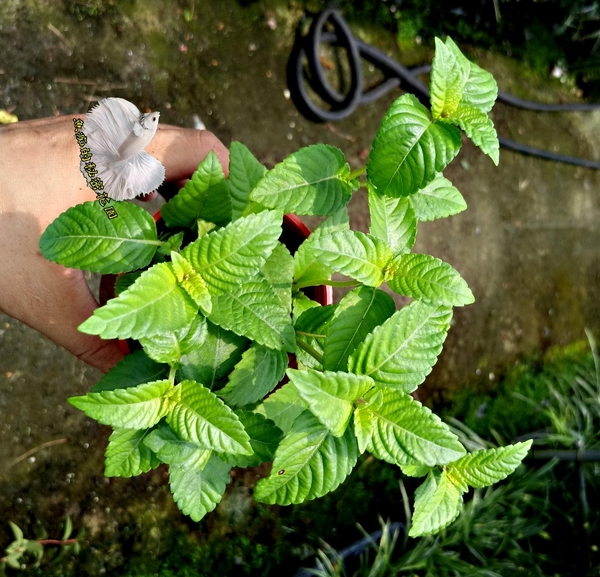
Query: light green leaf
point(437, 503)
point(415, 470)
point(480, 129)
point(357, 314)
point(171, 244)
point(244, 174)
point(83, 237)
point(312, 327)
point(486, 467)
point(355, 254)
point(197, 492)
point(312, 180)
point(330, 395)
point(448, 79)
point(438, 199)
point(401, 352)
point(409, 149)
point(300, 304)
point(253, 310)
point(278, 270)
point(135, 369)
point(309, 463)
point(228, 256)
point(191, 282)
point(426, 278)
point(201, 417)
point(204, 196)
point(127, 455)
point(155, 303)
point(172, 450)
point(138, 407)
point(393, 220)
point(283, 406)
point(256, 375)
point(364, 425)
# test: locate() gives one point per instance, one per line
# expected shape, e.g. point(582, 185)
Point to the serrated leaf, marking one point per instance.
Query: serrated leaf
point(448, 79)
point(228, 256)
point(407, 433)
point(480, 129)
point(283, 406)
point(155, 303)
point(300, 304)
point(312, 180)
point(204, 196)
point(354, 254)
point(124, 281)
point(138, 407)
point(364, 424)
point(127, 455)
point(330, 395)
point(356, 315)
point(437, 503)
point(171, 244)
point(393, 220)
point(191, 282)
point(486, 467)
point(83, 237)
point(438, 199)
point(401, 352)
point(244, 174)
point(172, 450)
point(197, 492)
point(256, 375)
point(135, 369)
point(309, 463)
point(429, 279)
point(278, 270)
point(409, 149)
point(415, 470)
point(312, 327)
point(199, 416)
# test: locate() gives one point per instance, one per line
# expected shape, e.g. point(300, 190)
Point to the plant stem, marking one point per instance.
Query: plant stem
point(358, 172)
point(308, 349)
point(319, 282)
point(313, 335)
point(172, 374)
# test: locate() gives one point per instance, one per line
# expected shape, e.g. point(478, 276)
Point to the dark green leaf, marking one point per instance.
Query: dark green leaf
point(135, 369)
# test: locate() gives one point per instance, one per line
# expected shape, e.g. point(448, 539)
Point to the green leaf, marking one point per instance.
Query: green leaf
point(357, 314)
point(409, 149)
point(204, 196)
point(228, 256)
point(83, 237)
point(255, 311)
point(364, 424)
point(278, 270)
point(201, 417)
point(437, 503)
point(486, 467)
point(171, 244)
point(480, 129)
point(448, 79)
point(393, 220)
point(191, 282)
point(407, 433)
point(426, 278)
point(124, 281)
point(138, 407)
point(244, 174)
point(415, 470)
point(401, 352)
point(127, 455)
point(197, 492)
point(312, 327)
point(155, 303)
point(283, 406)
point(300, 304)
point(330, 395)
point(172, 450)
point(309, 463)
point(312, 180)
point(354, 254)
point(135, 369)
point(208, 364)
point(438, 199)
point(256, 375)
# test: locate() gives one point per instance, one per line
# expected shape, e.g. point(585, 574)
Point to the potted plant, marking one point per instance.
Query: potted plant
point(217, 305)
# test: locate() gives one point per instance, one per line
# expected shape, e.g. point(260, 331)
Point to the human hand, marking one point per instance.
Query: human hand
point(39, 179)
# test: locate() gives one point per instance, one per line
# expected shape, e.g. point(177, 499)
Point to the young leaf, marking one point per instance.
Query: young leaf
point(438, 199)
point(409, 149)
point(191, 282)
point(201, 417)
point(127, 455)
point(401, 352)
point(480, 129)
point(407, 433)
point(283, 406)
point(228, 256)
point(171, 244)
point(357, 314)
point(135, 369)
point(82, 237)
point(204, 196)
point(253, 310)
point(278, 270)
point(197, 492)
point(330, 395)
point(437, 503)
point(486, 467)
point(256, 375)
point(426, 278)
point(138, 407)
point(355, 254)
point(309, 463)
point(448, 79)
point(312, 180)
point(300, 304)
point(393, 220)
point(172, 450)
point(244, 174)
point(364, 424)
point(155, 303)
